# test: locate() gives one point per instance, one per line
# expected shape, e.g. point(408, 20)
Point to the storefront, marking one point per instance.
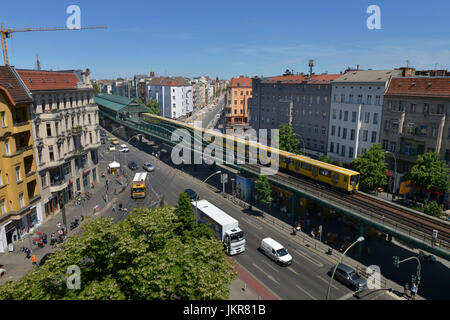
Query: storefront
point(86, 180)
point(52, 205)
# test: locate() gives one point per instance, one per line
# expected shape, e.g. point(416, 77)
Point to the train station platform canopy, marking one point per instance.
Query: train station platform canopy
point(122, 108)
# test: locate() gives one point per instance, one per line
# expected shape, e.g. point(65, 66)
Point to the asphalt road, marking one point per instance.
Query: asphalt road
point(305, 279)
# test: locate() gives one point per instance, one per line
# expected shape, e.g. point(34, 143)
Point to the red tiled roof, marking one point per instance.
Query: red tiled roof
point(12, 88)
point(423, 87)
point(323, 78)
point(47, 80)
point(241, 80)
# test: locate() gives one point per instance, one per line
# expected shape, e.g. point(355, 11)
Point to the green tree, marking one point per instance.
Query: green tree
point(288, 140)
point(138, 100)
point(325, 159)
point(433, 209)
point(263, 190)
point(430, 171)
point(141, 257)
point(185, 214)
point(96, 90)
point(372, 167)
point(153, 107)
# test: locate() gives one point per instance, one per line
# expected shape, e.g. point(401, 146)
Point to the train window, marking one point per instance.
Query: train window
point(345, 179)
point(324, 172)
point(335, 177)
point(315, 171)
point(297, 164)
point(306, 166)
point(354, 180)
point(291, 161)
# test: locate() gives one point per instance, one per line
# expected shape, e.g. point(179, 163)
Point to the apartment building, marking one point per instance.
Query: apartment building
point(173, 94)
point(238, 93)
point(416, 120)
point(300, 100)
point(356, 112)
point(66, 133)
point(20, 208)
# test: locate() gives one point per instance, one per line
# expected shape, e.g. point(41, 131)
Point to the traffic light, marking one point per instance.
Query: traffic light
point(414, 278)
point(396, 261)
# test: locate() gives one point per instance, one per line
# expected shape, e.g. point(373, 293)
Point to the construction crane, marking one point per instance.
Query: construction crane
point(7, 33)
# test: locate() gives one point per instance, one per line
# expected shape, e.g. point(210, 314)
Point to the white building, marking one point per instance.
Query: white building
point(173, 94)
point(356, 112)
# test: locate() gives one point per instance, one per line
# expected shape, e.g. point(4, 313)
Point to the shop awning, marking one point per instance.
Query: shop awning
point(114, 165)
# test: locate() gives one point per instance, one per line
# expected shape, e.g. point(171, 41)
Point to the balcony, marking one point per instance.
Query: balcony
point(77, 130)
point(20, 151)
point(58, 185)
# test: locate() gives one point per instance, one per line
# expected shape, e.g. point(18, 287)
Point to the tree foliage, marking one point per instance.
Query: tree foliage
point(141, 257)
point(433, 209)
point(185, 214)
point(263, 190)
point(153, 107)
point(288, 141)
point(96, 89)
point(325, 159)
point(430, 171)
point(372, 167)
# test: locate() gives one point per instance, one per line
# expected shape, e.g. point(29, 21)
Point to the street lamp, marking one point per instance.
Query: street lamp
point(395, 173)
point(360, 239)
point(204, 181)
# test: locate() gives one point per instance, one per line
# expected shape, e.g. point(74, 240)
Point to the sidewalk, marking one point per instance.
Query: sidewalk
point(16, 263)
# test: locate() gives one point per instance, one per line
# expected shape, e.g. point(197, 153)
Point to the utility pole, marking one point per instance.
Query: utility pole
point(415, 278)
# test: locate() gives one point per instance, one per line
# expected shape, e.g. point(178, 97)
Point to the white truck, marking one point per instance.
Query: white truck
point(225, 227)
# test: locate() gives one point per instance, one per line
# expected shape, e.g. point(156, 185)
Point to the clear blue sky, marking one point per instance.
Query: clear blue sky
point(229, 38)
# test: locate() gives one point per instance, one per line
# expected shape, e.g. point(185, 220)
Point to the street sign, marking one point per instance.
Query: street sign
point(224, 178)
point(435, 234)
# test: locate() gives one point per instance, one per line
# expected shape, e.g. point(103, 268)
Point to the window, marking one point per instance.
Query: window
point(339, 131)
point(44, 180)
point(21, 200)
point(352, 135)
point(7, 146)
point(334, 98)
point(235, 102)
point(346, 116)
point(440, 109)
point(340, 114)
point(57, 127)
point(385, 144)
point(365, 134)
point(344, 133)
point(359, 98)
point(350, 152)
point(2, 206)
point(374, 137)
point(49, 129)
point(3, 119)
point(375, 118)
point(426, 108)
point(324, 172)
point(366, 117)
point(331, 146)
point(350, 98)
point(90, 137)
point(354, 116)
point(412, 108)
point(334, 113)
point(18, 174)
point(343, 151)
point(392, 149)
point(369, 99)
point(306, 166)
point(342, 97)
point(318, 99)
point(378, 100)
point(324, 130)
point(50, 153)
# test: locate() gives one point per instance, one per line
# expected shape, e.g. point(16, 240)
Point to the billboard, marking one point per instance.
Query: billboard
point(405, 187)
point(243, 188)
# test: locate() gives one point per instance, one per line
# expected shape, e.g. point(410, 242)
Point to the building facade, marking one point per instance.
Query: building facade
point(416, 120)
point(299, 100)
point(356, 112)
point(236, 101)
point(20, 208)
point(174, 96)
point(66, 134)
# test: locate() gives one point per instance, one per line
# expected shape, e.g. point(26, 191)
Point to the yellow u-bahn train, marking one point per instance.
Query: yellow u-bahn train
point(325, 173)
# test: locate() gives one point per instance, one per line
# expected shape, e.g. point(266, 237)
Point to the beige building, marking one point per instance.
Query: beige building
point(66, 134)
point(416, 120)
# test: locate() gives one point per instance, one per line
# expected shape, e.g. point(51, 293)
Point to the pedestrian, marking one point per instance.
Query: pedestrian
point(44, 238)
point(120, 206)
point(406, 289)
point(28, 253)
point(413, 291)
point(52, 239)
point(33, 259)
point(114, 208)
point(312, 233)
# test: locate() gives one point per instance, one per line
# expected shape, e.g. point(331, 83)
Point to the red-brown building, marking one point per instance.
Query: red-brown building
point(238, 93)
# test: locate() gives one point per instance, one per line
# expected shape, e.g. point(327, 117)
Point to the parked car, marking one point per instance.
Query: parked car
point(112, 147)
point(148, 166)
point(349, 277)
point(115, 141)
point(132, 165)
point(45, 258)
point(275, 251)
point(124, 148)
point(192, 194)
point(102, 133)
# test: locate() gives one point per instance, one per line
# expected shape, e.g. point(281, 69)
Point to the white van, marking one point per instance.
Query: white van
point(275, 251)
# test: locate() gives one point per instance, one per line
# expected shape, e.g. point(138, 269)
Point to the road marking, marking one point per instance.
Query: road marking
point(252, 223)
point(267, 275)
point(290, 268)
point(267, 264)
point(327, 282)
point(314, 261)
point(312, 297)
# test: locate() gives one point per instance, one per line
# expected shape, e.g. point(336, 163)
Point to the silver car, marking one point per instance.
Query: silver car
point(349, 277)
point(148, 167)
